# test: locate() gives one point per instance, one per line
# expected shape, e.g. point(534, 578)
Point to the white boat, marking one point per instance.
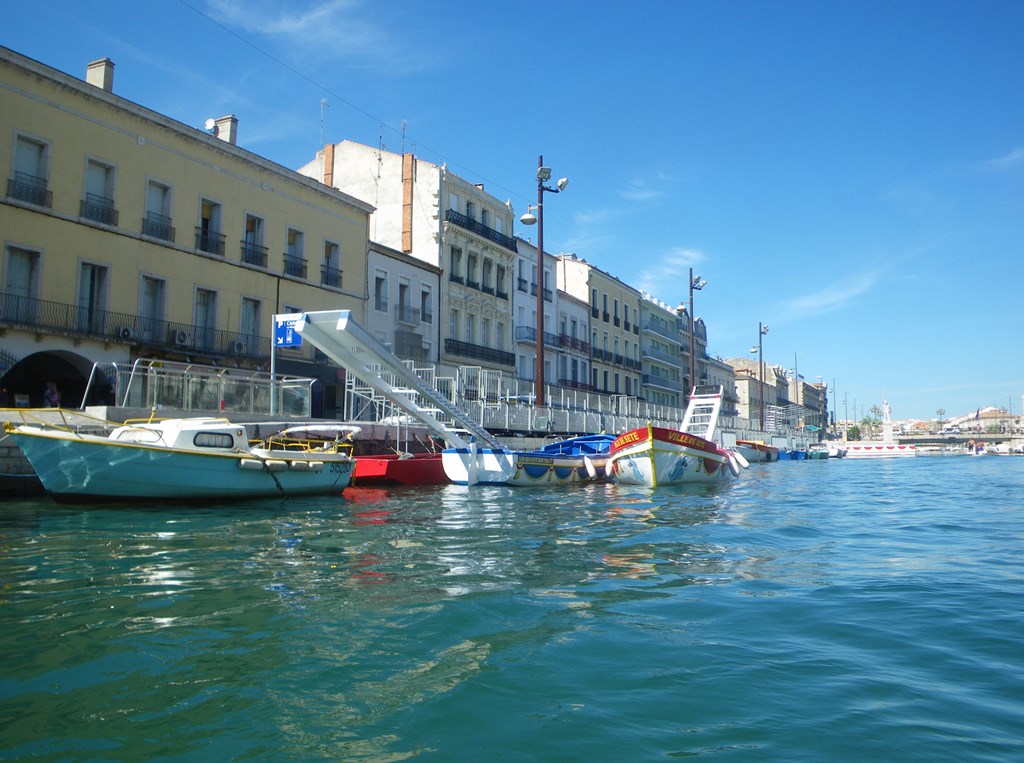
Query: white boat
point(757, 451)
point(887, 448)
point(653, 456)
point(576, 459)
point(184, 459)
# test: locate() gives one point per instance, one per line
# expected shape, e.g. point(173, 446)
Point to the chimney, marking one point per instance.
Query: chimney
point(408, 170)
point(226, 128)
point(329, 165)
point(101, 74)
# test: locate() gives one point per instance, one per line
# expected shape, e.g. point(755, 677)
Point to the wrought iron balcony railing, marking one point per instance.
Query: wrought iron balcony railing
point(209, 241)
point(469, 350)
point(464, 221)
point(98, 209)
point(254, 254)
point(407, 314)
point(30, 188)
point(157, 226)
point(330, 276)
point(110, 326)
point(294, 266)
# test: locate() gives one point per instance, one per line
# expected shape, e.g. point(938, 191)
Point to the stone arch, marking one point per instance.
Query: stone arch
point(26, 378)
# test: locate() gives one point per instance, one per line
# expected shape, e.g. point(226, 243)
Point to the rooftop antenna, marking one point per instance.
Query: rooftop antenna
point(404, 124)
point(323, 105)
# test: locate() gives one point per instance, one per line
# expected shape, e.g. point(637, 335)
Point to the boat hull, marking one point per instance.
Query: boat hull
point(653, 456)
point(757, 452)
point(882, 450)
point(89, 467)
point(570, 461)
point(400, 469)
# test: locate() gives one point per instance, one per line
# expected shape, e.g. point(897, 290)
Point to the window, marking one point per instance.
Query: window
point(21, 285)
point(380, 292)
point(485, 218)
point(453, 324)
point(485, 332)
point(253, 251)
point(151, 307)
point(455, 265)
point(208, 236)
point(426, 311)
point(499, 335)
point(499, 281)
point(157, 221)
point(98, 203)
point(499, 225)
point(405, 311)
point(31, 159)
point(92, 298)
point(205, 318)
point(250, 325)
point(470, 210)
point(453, 201)
point(330, 271)
point(294, 259)
point(471, 275)
point(470, 328)
point(486, 276)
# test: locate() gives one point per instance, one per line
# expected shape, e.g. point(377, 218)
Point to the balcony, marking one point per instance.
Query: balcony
point(409, 345)
point(408, 315)
point(99, 209)
point(548, 295)
point(158, 226)
point(428, 316)
point(606, 316)
point(661, 382)
point(571, 384)
point(464, 221)
point(151, 334)
point(663, 357)
point(662, 330)
point(501, 294)
point(455, 279)
point(254, 254)
point(29, 188)
point(330, 276)
point(478, 352)
point(529, 334)
point(209, 242)
point(294, 266)
point(521, 284)
point(574, 343)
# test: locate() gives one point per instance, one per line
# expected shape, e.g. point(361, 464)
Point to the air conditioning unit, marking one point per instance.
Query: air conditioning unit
point(181, 337)
point(238, 347)
point(127, 333)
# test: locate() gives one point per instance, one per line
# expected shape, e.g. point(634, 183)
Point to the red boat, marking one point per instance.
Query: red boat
point(399, 469)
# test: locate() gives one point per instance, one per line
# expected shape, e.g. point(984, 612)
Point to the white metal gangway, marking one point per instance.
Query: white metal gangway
point(702, 412)
point(348, 344)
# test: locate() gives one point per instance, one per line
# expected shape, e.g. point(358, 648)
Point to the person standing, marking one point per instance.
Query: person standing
point(51, 395)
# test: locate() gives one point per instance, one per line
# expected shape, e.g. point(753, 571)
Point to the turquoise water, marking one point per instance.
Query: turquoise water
point(812, 611)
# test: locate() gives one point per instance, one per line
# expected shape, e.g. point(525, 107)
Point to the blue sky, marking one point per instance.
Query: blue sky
point(849, 174)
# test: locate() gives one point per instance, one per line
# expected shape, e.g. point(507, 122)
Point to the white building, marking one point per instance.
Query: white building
point(404, 297)
point(661, 339)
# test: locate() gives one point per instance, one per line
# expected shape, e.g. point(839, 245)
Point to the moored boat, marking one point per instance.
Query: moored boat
point(399, 469)
point(757, 451)
point(183, 459)
point(575, 459)
point(653, 456)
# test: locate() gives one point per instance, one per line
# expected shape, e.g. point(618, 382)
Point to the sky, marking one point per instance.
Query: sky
point(848, 174)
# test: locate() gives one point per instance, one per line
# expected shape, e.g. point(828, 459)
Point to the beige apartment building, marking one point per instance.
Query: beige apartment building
point(127, 235)
point(430, 213)
point(614, 325)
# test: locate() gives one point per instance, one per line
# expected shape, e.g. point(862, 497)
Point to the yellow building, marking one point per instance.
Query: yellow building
point(127, 234)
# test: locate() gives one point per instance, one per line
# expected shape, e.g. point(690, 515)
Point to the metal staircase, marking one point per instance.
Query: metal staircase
point(348, 344)
point(702, 411)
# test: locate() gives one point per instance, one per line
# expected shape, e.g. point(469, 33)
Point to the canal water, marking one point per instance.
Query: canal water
point(810, 611)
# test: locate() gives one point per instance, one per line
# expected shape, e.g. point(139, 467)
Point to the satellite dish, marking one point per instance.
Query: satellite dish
point(210, 125)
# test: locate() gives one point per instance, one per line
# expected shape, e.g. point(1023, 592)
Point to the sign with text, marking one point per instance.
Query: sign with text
point(285, 334)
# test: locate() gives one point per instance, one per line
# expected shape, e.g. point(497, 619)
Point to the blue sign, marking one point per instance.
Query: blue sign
point(285, 334)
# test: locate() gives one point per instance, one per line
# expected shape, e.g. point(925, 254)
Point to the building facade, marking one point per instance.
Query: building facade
point(127, 234)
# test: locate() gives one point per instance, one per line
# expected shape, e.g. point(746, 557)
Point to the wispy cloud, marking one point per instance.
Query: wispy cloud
point(647, 187)
point(349, 29)
point(828, 300)
point(1007, 162)
point(668, 276)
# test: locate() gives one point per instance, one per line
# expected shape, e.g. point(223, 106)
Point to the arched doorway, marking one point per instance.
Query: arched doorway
point(26, 379)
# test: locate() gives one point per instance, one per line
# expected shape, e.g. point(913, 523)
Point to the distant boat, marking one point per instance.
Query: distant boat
point(653, 456)
point(185, 459)
point(757, 451)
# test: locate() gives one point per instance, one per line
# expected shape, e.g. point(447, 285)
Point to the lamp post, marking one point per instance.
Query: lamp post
point(696, 284)
point(543, 175)
point(761, 331)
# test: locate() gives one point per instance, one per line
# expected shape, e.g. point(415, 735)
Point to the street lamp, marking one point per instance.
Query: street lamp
point(543, 175)
point(761, 331)
point(696, 284)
